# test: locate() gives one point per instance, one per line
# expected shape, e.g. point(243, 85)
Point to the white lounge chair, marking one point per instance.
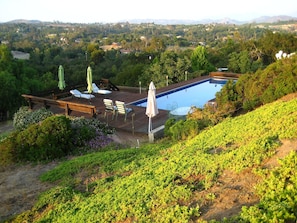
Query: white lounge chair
point(122, 109)
point(96, 89)
point(78, 94)
point(109, 107)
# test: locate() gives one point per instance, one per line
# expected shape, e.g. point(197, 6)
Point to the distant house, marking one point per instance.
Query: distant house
point(20, 55)
point(123, 51)
point(113, 46)
point(222, 69)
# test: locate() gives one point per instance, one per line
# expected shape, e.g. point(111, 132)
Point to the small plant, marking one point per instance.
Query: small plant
point(25, 117)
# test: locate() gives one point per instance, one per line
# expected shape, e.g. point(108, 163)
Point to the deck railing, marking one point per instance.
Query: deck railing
point(66, 105)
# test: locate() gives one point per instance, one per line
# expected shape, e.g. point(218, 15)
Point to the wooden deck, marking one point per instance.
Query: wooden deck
point(140, 120)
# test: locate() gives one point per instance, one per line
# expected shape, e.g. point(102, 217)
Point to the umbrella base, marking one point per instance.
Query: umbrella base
point(156, 133)
point(151, 137)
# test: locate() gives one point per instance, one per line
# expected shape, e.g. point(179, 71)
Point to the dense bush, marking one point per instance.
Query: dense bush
point(6, 153)
point(90, 134)
point(183, 129)
point(25, 116)
point(262, 87)
point(40, 136)
point(170, 122)
point(45, 141)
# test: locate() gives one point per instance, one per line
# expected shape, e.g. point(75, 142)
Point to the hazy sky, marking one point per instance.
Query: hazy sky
point(91, 11)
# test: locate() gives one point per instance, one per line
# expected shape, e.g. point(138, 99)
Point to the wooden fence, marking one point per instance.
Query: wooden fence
point(66, 105)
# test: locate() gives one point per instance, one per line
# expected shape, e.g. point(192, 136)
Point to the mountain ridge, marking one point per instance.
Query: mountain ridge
point(226, 20)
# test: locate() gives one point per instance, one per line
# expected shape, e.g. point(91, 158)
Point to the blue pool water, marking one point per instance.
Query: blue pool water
point(196, 94)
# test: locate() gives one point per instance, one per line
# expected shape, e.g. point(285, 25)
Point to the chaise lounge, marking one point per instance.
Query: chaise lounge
point(76, 93)
point(96, 89)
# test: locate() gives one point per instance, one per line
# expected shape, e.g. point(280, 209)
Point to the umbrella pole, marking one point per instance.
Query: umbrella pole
point(149, 125)
point(150, 134)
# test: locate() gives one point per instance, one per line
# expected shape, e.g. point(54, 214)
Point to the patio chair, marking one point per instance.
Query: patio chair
point(78, 94)
point(96, 89)
point(109, 107)
point(122, 109)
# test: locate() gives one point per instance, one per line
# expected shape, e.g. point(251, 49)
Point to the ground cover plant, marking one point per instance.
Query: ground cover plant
point(169, 182)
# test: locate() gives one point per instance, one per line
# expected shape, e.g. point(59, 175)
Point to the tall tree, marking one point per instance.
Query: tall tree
point(199, 59)
point(9, 98)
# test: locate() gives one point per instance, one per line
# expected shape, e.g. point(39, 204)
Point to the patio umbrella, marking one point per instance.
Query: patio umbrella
point(61, 83)
point(151, 107)
point(89, 79)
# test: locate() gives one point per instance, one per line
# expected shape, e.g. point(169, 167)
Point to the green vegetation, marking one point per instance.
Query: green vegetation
point(278, 195)
point(127, 54)
point(41, 136)
point(45, 141)
point(169, 180)
point(25, 117)
point(162, 182)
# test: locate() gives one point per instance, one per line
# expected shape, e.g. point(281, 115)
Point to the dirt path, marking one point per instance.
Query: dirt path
point(20, 187)
point(233, 191)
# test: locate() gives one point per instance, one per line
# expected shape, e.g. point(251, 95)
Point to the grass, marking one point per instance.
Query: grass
point(160, 182)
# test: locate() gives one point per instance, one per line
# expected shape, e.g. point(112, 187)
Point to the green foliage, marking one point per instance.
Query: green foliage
point(90, 134)
point(6, 152)
point(161, 182)
point(278, 194)
point(184, 129)
point(240, 62)
point(166, 68)
point(45, 141)
point(271, 42)
point(25, 117)
point(8, 91)
point(169, 122)
point(255, 47)
point(199, 59)
point(265, 86)
point(41, 136)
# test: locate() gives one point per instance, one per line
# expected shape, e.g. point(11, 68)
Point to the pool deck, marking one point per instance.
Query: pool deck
point(140, 120)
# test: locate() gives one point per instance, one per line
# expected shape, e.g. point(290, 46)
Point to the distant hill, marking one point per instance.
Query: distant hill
point(263, 19)
point(273, 19)
point(24, 21)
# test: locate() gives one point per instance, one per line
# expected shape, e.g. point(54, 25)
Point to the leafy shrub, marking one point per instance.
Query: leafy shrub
point(82, 132)
point(20, 118)
point(54, 137)
point(45, 141)
point(184, 129)
point(170, 122)
point(25, 116)
point(90, 133)
point(6, 152)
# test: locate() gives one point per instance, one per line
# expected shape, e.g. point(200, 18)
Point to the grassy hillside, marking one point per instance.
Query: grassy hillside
point(165, 182)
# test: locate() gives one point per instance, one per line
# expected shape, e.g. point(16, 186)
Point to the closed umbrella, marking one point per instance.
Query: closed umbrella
point(61, 83)
point(89, 80)
point(151, 107)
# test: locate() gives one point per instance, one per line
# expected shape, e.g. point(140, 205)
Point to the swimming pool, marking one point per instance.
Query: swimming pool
point(195, 94)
